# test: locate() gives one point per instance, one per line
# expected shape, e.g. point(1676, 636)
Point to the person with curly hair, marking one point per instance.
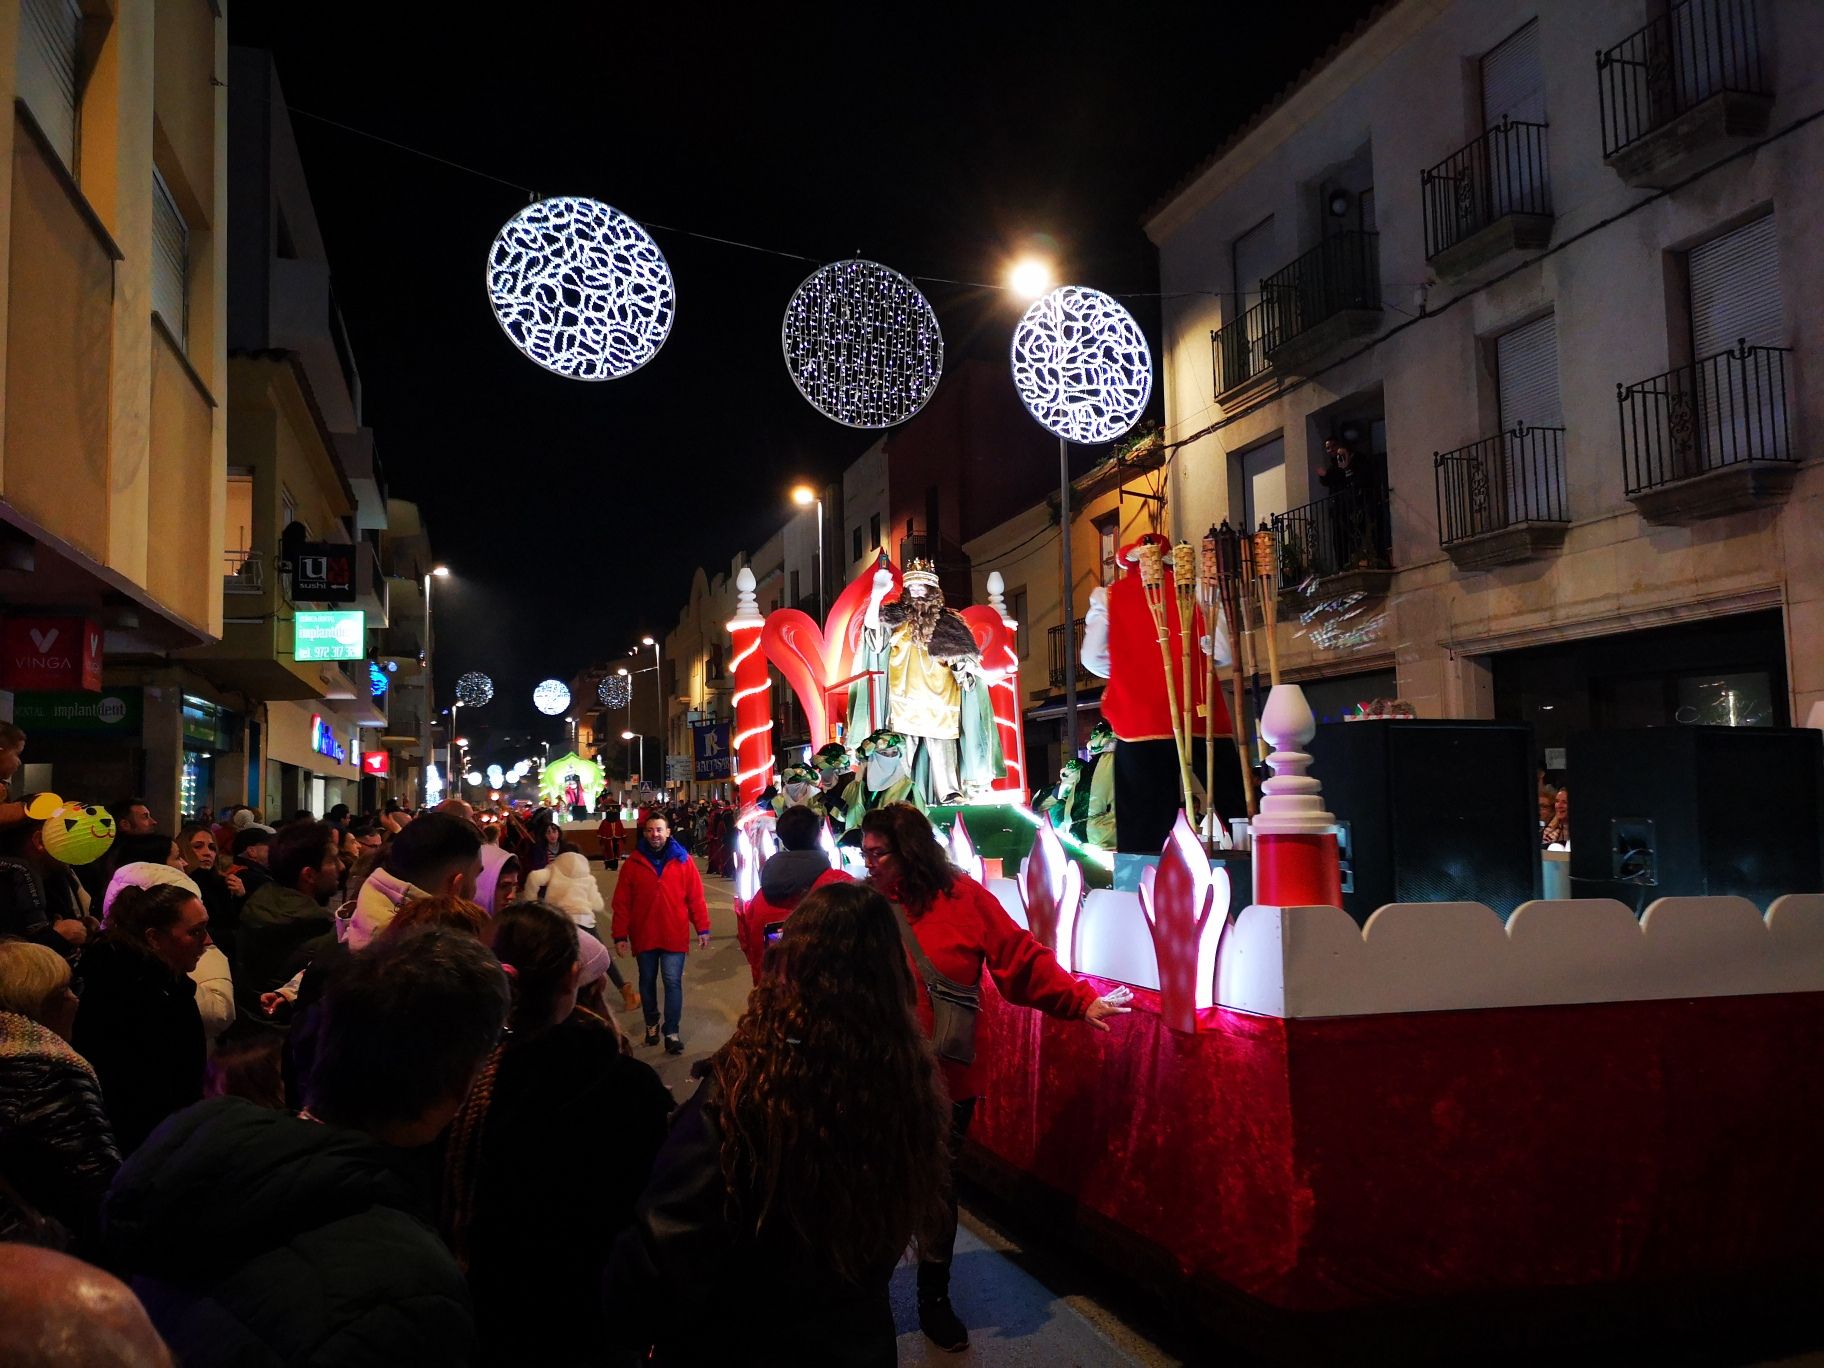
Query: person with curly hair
point(953, 929)
point(811, 1155)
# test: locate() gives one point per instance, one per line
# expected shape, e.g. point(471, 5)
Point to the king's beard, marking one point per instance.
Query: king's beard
point(924, 613)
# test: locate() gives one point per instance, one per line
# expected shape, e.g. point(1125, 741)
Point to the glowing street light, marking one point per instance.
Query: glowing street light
point(1029, 278)
point(441, 571)
point(804, 496)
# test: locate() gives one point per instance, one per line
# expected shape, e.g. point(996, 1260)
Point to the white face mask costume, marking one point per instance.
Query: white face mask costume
point(883, 769)
point(799, 792)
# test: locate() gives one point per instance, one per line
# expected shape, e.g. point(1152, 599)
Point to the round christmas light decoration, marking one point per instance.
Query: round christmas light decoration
point(1081, 365)
point(474, 689)
point(615, 691)
point(862, 344)
point(495, 775)
point(581, 288)
point(551, 697)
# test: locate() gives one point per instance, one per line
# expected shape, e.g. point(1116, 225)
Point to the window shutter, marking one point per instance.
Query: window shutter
point(1253, 262)
point(170, 259)
point(50, 33)
point(1526, 370)
point(1513, 81)
point(1263, 473)
point(1735, 291)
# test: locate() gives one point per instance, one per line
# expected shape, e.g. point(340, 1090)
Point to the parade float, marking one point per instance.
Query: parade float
point(1315, 1123)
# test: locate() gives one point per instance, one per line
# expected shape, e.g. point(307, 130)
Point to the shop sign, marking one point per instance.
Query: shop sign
point(205, 725)
point(321, 572)
point(378, 763)
point(329, 636)
point(677, 768)
point(324, 742)
point(113, 712)
point(50, 653)
point(711, 746)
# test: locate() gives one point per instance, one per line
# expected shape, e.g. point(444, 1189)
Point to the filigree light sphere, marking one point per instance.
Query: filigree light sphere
point(862, 344)
point(551, 697)
point(581, 288)
point(615, 691)
point(1081, 365)
point(474, 689)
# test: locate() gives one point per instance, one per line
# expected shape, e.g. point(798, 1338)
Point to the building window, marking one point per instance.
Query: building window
point(874, 530)
point(50, 45)
point(794, 588)
point(237, 524)
point(170, 261)
point(1022, 634)
point(1108, 535)
point(1526, 375)
point(855, 537)
point(1735, 291)
point(1262, 474)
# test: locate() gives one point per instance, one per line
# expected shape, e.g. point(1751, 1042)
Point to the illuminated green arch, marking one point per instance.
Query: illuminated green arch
point(551, 778)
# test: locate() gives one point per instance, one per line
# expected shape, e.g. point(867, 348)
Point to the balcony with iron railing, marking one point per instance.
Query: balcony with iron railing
point(1323, 299)
point(1492, 196)
point(1690, 84)
point(1054, 654)
point(1238, 355)
point(1709, 438)
point(1502, 499)
point(1343, 543)
point(244, 572)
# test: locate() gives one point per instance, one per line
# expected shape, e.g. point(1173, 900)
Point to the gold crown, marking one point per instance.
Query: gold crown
point(920, 571)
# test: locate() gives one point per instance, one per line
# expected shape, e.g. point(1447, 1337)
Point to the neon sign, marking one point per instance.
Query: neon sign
point(323, 741)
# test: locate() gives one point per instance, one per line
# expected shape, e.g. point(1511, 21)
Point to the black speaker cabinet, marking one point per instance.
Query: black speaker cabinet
point(1662, 812)
point(1435, 811)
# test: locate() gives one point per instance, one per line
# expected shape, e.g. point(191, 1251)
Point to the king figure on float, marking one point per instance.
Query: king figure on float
point(935, 693)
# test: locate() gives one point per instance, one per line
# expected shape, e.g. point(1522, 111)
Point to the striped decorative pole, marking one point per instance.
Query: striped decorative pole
point(1004, 693)
point(753, 738)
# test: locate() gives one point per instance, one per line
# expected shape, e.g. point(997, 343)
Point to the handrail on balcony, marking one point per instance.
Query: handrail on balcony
point(1341, 272)
point(1501, 172)
point(1500, 482)
point(1719, 411)
point(1347, 531)
point(1237, 349)
point(1695, 50)
point(1054, 642)
point(244, 573)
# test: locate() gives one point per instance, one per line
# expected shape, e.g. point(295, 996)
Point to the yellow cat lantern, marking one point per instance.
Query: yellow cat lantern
point(75, 833)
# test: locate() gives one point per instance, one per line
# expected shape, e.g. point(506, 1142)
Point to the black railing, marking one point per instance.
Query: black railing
point(1347, 531)
point(1341, 272)
point(1714, 413)
point(1237, 350)
point(1502, 481)
point(1054, 649)
point(1502, 172)
point(1697, 49)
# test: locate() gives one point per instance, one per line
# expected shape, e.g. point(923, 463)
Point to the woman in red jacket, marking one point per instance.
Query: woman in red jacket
point(953, 928)
point(657, 900)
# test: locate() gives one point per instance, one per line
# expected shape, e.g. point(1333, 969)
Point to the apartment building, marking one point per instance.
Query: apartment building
point(1548, 273)
point(114, 366)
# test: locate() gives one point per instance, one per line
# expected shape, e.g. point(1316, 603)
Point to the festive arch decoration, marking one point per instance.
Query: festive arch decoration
point(1081, 365)
point(554, 776)
point(862, 344)
point(615, 691)
point(551, 697)
point(474, 689)
point(580, 288)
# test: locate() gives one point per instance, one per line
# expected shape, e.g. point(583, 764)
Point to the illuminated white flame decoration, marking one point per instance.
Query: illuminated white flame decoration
point(1062, 880)
point(1184, 846)
point(551, 697)
point(581, 288)
point(616, 691)
point(828, 844)
point(747, 866)
point(862, 344)
point(474, 689)
point(1081, 365)
point(962, 850)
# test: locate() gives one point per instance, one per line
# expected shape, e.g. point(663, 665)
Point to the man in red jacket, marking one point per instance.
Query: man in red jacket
point(657, 900)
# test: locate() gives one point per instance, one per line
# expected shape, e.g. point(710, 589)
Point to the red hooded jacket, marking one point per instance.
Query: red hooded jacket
point(752, 918)
point(656, 908)
point(1135, 701)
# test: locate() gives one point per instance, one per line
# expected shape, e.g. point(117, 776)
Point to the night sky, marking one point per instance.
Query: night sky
point(572, 514)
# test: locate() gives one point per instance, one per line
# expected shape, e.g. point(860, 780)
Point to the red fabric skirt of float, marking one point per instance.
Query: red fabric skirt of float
point(1347, 1162)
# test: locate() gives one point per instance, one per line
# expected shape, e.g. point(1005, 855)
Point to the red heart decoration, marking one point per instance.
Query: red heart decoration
point(817, 662)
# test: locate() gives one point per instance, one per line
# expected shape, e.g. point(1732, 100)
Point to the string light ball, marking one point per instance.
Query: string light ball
point(474, 689)
point(862, 344)
point(551, 697)
point(1081, 365)
point(581, 289)
point(615, 691)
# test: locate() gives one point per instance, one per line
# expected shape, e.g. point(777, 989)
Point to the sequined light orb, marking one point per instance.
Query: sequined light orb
point(551, 697)
point(862, 344)
point(474, 689)
point(615, 691)
point(1081, 365)
point(581, 288)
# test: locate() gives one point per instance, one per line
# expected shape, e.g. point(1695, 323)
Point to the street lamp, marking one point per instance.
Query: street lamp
point(804, 496)
point(1029, 277)
point(439, 572)
point(628, 737)
point(658, 685)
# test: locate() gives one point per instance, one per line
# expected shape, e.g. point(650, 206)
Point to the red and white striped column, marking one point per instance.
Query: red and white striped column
point(753, 701)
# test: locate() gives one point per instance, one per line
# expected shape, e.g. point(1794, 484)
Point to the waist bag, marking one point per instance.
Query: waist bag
point(954, 1006)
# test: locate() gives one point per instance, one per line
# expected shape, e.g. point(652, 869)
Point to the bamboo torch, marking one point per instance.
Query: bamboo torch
point(1230, 581)
point(1184, 586)
point(1266, 585)
point(1152, 583)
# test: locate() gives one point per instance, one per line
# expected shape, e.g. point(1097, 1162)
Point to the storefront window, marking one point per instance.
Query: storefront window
point(198, 785)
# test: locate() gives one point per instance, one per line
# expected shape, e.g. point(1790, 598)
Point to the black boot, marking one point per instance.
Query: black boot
point(936, 1316)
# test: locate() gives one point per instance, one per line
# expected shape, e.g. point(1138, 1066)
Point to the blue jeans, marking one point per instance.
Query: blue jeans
point(671, 963)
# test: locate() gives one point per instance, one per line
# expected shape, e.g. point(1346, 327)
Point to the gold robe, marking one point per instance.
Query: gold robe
point(924, 698)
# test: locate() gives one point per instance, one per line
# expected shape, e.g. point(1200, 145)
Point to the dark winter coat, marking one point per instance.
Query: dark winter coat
point(140, 1029)
point(706, 1292)
point(254, 1237)
point(544, 1222)
point(57, 1149)
point(281, 930)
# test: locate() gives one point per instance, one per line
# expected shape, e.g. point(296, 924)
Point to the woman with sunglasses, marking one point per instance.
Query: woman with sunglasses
point(953, 929)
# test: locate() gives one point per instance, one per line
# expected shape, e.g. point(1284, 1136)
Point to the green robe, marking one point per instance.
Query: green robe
point(1100, 820)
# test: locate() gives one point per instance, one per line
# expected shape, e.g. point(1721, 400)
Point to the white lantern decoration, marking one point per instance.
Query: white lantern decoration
point(1081, 365)
point(551, 697)
point(862, 344)
point(474, 689)
point(496, 776)
point(581, 288)
point(615, 691)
